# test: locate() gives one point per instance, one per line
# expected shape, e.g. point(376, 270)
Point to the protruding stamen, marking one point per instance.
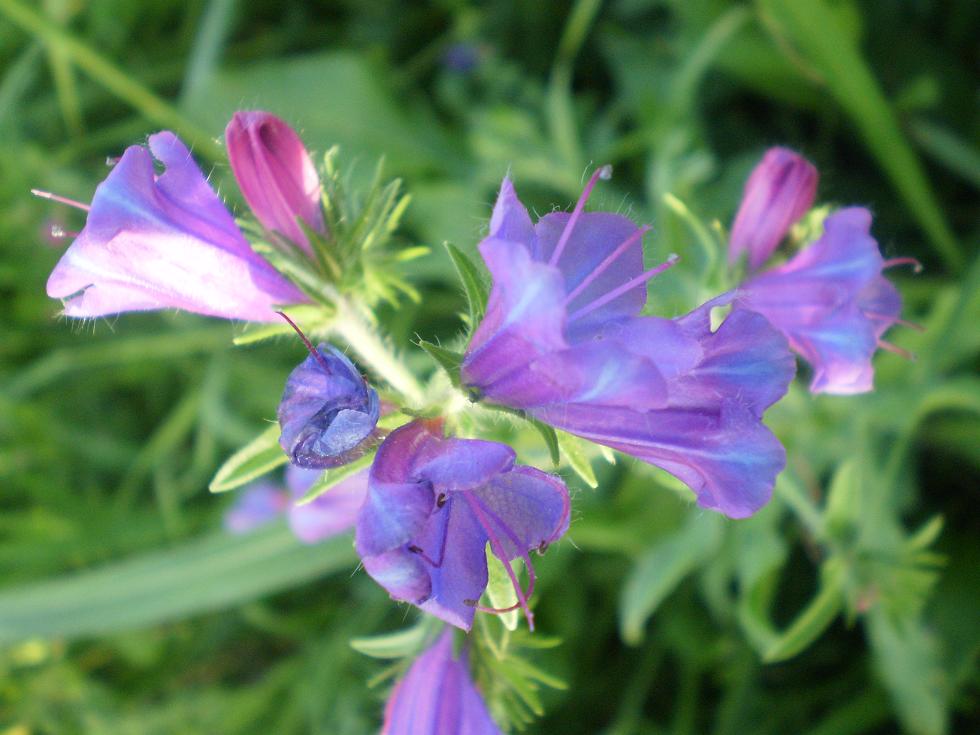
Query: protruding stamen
point(896, 349)
point(500, 553)
point(61, 199)
point(875, 316)
point(891, 263)
point(608, 261)
point(57, 232)
point(309, 345)
point(604, 173)
point(630, 284)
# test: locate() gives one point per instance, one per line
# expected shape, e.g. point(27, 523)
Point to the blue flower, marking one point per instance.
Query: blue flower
point(434, 503)
point(563, 338)
point(437, 697)
point(328, 412)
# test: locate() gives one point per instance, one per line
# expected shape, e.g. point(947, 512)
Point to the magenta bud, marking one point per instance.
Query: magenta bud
point(779, 192)
point(275, 173)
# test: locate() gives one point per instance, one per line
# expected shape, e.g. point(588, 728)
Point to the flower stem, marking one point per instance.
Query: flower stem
point(371, 348)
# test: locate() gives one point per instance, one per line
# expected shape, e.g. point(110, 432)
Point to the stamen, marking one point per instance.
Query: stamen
point(61, 199)
point(891, 263)
point(604, 173)
point(875, 316)
point(309, 345)
point(617, 292)
point(499, 552)
point(608, 261)
point(896, 349)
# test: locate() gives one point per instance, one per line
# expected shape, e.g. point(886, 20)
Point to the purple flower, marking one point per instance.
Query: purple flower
point(164, 241)
point(437, 697)
point(255, 506)
point(779, 191)
point(275, 174)
point(331, 513)
point(328, 412)
point(831, 302)
point(563, 339)
point(432, 506)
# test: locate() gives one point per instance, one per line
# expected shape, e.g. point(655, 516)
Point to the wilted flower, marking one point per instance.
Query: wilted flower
point(779, 192)
point(275, 173)
point(437, 697)
point(328, 412)
point(164, 241)
point(329, 514)
point(831, 302)
point(433, 504)
point(563, 339)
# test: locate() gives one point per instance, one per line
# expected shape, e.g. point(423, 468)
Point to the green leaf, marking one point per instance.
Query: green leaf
point(312, 318)
point(578, 460)
point(822, 39)
point(473, 285)
point(844, 500)
point(447, 359)
point(397, 644)
point(664, 566)
point(550, 439)
point(199, 576)
point(814, 619)
point(261, 455)
point(333, 477)
point(906, 657)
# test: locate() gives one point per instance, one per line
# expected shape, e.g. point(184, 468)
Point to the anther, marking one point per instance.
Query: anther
point(441, 500)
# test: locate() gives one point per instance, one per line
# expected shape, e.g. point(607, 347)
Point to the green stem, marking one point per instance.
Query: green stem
point(111, 77)
point(801, 505)
point(367, 343)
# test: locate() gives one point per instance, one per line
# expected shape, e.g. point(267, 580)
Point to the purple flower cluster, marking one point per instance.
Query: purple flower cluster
point(566, 339)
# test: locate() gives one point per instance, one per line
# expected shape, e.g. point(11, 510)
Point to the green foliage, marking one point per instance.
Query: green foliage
point(846, 606)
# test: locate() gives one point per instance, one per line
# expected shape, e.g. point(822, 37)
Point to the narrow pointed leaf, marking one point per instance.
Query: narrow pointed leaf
point(261, 455)
point(473, 284)
point(448, 360)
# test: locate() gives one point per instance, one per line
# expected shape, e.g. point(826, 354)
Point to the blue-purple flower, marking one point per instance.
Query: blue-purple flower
point(830, 300)
point(329, 514)
point(563, 339)
point(328, 412)
point(437, 697)
point(780, 190)
point(159, 241)
point(434, 503)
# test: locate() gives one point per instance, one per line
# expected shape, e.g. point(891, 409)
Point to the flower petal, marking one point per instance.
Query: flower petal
point(331, 513)
point(164, 242)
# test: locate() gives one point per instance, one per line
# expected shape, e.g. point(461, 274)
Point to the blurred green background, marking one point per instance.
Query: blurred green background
point(848, 605)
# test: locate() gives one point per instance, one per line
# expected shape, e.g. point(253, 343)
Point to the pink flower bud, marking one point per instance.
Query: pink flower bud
point(780, 190)
point(275, 174)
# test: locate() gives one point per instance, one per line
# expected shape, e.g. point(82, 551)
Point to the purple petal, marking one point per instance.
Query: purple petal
point(164, 242)
point(529, 509)
point(525, 314)
point(778, 193)
point(402, 573)
point(462, 464)
point(275, 174)
point(331, 513)
point(328, 412)
point(830, 302)
point(510, 220)
point(254, 507)
point(437, 697)
point(595, 236)
point(730, 459)
point(599, 373)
